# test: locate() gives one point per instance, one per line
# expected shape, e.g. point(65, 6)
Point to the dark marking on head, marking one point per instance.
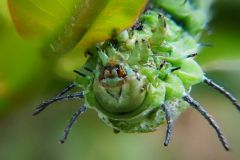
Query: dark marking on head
point(110, 69)
point(111, 94)
point(138, 76)
point(143, 88)
point(121, 71)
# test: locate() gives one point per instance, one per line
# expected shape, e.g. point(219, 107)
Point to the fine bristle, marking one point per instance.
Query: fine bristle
point(58, 97)
point(68, 88)
point(45, 104)
point(170, 124)
point(209, 118)
point(75, 116)
point(223, 91)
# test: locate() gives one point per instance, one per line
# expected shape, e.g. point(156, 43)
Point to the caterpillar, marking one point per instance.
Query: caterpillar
point(142, 77)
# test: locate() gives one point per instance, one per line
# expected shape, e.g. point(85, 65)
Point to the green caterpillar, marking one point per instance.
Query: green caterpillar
point(142, 77)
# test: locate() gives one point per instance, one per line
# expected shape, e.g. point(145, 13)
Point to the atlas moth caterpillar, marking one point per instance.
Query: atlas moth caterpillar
point(142, 77)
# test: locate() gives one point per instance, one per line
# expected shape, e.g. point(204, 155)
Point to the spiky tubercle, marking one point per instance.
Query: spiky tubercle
point(158, 49)
point(143, 76)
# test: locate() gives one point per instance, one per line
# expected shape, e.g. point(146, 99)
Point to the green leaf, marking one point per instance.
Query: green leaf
point(65, 24)
point(20, 64)
point(39, 19)
point(113, 18)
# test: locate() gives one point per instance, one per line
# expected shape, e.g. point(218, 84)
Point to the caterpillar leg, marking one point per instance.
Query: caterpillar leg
point(223, 91)
point(75, 116)
point(68, 88)
point(170, 124)
point(209, 118)
point(45, 104)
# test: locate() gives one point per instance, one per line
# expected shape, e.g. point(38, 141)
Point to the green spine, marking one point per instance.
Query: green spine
point(156, 56)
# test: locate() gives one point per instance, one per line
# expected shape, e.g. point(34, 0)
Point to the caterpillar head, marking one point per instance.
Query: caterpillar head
point(117, 88)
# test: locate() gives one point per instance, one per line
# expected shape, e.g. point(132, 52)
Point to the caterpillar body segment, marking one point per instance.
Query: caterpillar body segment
point(142, 77)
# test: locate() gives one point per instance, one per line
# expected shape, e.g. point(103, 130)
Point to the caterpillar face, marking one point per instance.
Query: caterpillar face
point(118, 89)
point(142, 78)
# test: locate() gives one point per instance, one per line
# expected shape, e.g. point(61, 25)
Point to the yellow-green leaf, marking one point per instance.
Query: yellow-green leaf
point(114, 17)
point(40, 19)
point(62, 25)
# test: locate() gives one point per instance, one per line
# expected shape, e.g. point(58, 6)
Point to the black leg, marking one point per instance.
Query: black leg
point(223, 91)
point(209, 118)
point(65, 90)
point(45, 104)
point(75, 116)
point(169, 120)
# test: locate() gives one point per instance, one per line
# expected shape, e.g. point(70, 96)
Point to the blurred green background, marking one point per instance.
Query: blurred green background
point(27, 78)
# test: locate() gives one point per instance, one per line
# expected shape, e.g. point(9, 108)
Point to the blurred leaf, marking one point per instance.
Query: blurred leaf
point(63, 24)
point(4, 10)
point(223, 54)
point(34, 18)
point(113, 18)
point(20, 62)
point(220, 65)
